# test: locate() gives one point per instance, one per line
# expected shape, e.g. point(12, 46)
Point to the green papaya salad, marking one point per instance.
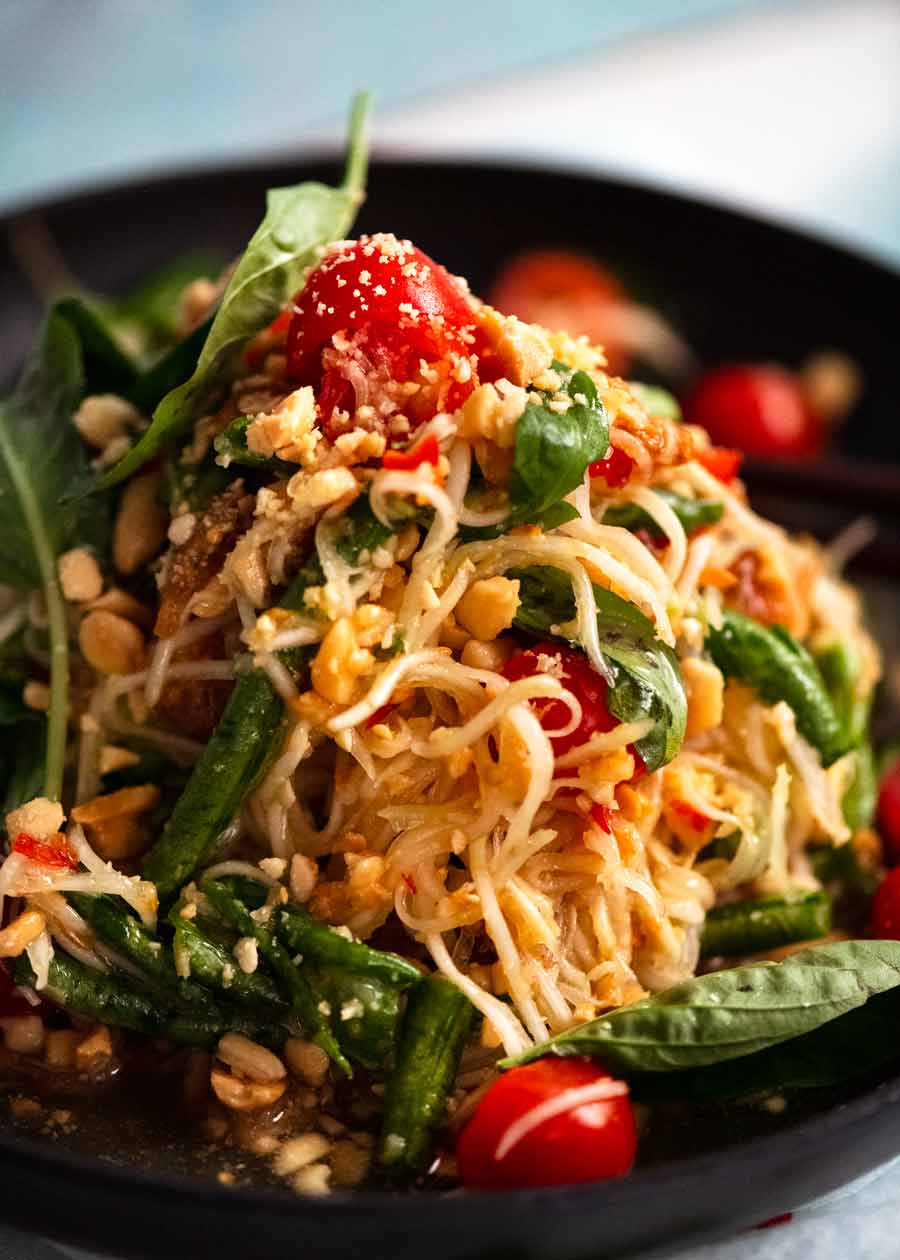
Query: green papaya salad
point(410, 731)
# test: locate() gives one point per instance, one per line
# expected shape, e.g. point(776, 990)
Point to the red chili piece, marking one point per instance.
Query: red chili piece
point(57, 854)
point(550, 1123)
point(425, 451)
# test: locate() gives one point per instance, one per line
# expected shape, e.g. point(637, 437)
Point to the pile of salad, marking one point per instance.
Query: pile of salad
point(414, 746)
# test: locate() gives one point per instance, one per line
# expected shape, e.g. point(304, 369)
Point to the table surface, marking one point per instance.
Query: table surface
point(791, 110)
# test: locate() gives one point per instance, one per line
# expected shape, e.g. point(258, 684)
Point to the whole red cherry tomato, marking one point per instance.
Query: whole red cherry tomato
point(406, 306)
point(886, 907)
point(889, 813)
point(577, 676)
point(756, 408)
point(566, 292)
point(550, 1123)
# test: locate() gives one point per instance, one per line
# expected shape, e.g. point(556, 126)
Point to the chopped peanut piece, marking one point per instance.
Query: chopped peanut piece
point(141, 524)
point(79, 575)
point(344, 656)
point(705, 689)
point(39, 818)
point(60, 1046)
point(36, 695)
point(242, 1095)
point(111, 644)
point(488, 607)
point(493, 412)
point(307, 1061)
point(18, 935)
point(249, 1058)
point(102, 418)
point(523, 349)
point(114, 824)
point(96, 1046)
point(289, 431)
point(23, 1034)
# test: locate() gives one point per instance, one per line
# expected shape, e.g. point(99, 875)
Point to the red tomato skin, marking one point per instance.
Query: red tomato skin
point(425, 451)
point(757, 408)
point(592, 1142)
point(364, 284)
point(886, 907)
point(581, 679)
point(889, 813)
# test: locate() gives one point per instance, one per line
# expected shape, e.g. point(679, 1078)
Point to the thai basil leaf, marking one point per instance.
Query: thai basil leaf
point(23, 762)
point(647, 678)
point(297, 223)
point(729, 1014)
point(154, 304)
point(852, 1046)
point(553, 450)
point(172, 370)
point(107, 369)
point(774, 665)
point(40, 457)
point(361, 531)
point(692, 513)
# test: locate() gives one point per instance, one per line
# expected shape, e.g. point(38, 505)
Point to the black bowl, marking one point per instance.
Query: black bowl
point(738, 288)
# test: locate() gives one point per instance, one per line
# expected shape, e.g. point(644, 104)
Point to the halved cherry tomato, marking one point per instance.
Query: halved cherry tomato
point(550, 1123)
point(758, 408)
point(55, 854)
point(566, 292)
point(426, 451)
point(615, 468)
point(410, 306)
point(577, 676)
point(722, 462)
point(889, 813)
point(886, 907)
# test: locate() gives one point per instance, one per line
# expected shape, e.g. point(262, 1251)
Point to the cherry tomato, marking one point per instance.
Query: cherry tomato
point(758, 408)
point(886, 907)
point(550, 1123)
point(577, 676)
point(566, 292)
point(54, 853)
point(615, 468)
point(723, 462)
point(889, 813)
point(405, 306)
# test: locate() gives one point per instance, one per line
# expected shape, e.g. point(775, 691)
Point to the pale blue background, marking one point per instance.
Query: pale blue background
point(790, 109)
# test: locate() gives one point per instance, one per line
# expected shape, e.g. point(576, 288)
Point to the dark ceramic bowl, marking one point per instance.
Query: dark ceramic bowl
point(737, 288)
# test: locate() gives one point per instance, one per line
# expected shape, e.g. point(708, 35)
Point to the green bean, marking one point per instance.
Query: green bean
point(311, 1010)
point(692, 513)
point(840, 864)
point(861, 796)
point(839, 666)
point(108, 999)
point(436, 1027)
point(751, 927)
point(774, 665)
point(113, 924)
point(724, 847)
point(365, 1013)
point(211, 964)
point(318, 943)
point(229, 767)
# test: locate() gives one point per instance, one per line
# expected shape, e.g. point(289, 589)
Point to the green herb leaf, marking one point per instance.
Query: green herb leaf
point(231, 444)
point(153, 305)
point(647, 680)
point(774, 665)
point(553, 450)
point(692, 513)
point(298, 222)
point(172, 370)
point(730, 1014)
point(107, 369)
point(40, 457)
